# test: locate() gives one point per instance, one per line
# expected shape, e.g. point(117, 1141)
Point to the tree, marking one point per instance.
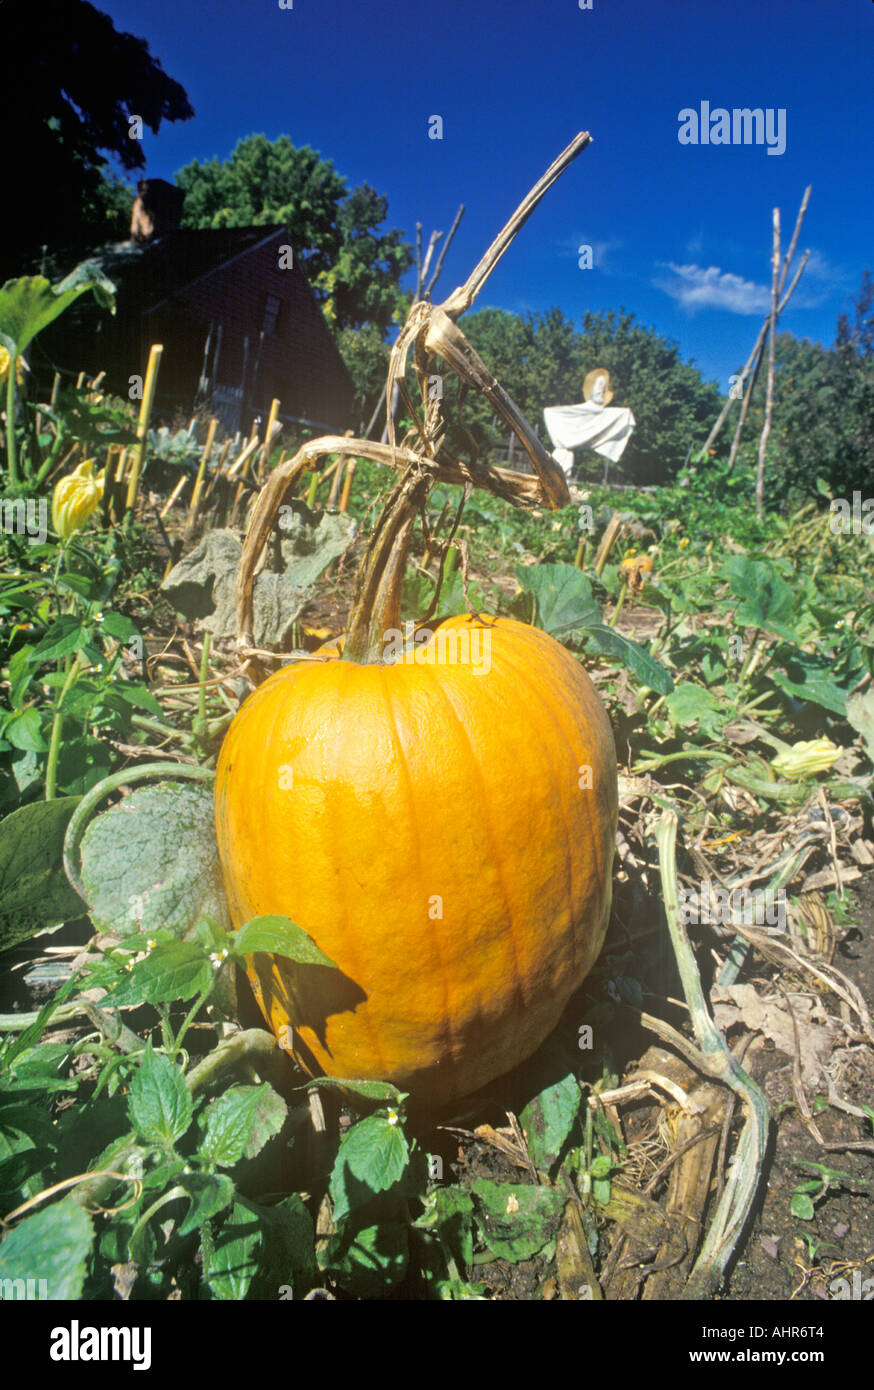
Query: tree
point(823, 410)
point(352, 266)
point(71, 85)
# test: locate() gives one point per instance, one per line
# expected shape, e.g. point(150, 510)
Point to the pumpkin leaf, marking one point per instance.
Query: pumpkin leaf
point(34, 890)
point(516, 1220)
point(562, 595)
point(52, 1246)
point(768, 600)
point(860, 713)
point(159, 1103)
point(690, 704)
point(606, 641)
point(280, 937)
point(808, 676)
point(150, 863)
point(239, 1123)
point(30, 303)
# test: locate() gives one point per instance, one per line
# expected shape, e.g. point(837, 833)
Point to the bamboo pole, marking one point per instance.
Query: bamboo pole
point(769, 393)
point(198, 482)
point(143, 425)
point(173, 495)
point(347, 484)
point(264, 460)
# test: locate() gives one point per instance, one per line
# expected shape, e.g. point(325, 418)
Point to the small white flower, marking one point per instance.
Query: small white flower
point(98, 617)
point(151, 943)
point(392, 1117)
point(217, 957)
point(128, 965)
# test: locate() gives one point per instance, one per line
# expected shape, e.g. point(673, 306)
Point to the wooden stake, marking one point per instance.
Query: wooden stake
point(198, 482)
point(347, 484)
point(264, 460)
point(173, 495)
point(143, 425)
point(769, 394)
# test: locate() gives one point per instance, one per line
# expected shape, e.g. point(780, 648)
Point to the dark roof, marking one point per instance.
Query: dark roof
point(150, 272)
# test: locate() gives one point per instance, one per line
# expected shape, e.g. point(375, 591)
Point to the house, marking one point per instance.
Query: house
point(237, 319)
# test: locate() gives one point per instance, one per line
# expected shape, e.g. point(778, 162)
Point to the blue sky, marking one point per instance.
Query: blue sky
point(681, 233)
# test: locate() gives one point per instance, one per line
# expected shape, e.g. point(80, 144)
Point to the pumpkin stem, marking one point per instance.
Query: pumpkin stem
point(376, 611)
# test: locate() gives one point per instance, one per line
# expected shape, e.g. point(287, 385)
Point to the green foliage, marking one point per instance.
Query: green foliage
point(353, 266)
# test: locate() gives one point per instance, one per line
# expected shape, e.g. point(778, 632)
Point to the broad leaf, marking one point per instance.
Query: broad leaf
point(240, 1123)
point(34, 890)
point(516, 1220)
point(280, 937)
point(371, 1158)
point(606, 641)
point(233, 1263)
point(210, 1193)
point(563, 596)
point(151, 862)
point(31, 303)
point(159, 1102)
point(52, 1246)
point(548, 1119)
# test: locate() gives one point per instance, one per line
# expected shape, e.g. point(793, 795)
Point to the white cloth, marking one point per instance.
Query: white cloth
point(604, 428)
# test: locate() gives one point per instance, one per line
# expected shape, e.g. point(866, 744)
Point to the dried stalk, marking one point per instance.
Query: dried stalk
point(735, 1204)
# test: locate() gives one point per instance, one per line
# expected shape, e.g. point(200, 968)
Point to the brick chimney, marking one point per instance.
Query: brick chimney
point(157, 209)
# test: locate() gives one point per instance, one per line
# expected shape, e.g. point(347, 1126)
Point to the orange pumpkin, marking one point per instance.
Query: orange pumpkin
point(444, 831)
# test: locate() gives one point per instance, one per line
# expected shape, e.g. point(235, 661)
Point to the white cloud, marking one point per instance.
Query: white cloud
point(696, 288)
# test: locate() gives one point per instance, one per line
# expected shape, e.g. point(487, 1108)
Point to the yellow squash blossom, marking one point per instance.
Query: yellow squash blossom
point(75, 498)
point(805, 759)
point(5, 360)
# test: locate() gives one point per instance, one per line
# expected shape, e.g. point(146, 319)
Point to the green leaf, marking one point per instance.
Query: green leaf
point(172, 970)
point(24, 731)
point(34, 890)
point(240, 1123)
point(373, 1262)
point(53, 1245)
point(860, 714)
point(606, 641)
point(372, 1157)
point(210, 1193)
point(62, 638)
point(449, 1210)
point(233, 1263)
point(768, 600)
point(159, 1103)
point(692, 705)
point(288, 1255)
point(369, 1090)
point(563, 596)
point(119, 626)
point(802, 1206)
point(30, 303)
point(280, 937)
point(151, 862)
point(516, 1220)
point(548, 1119)
point(810, 677)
